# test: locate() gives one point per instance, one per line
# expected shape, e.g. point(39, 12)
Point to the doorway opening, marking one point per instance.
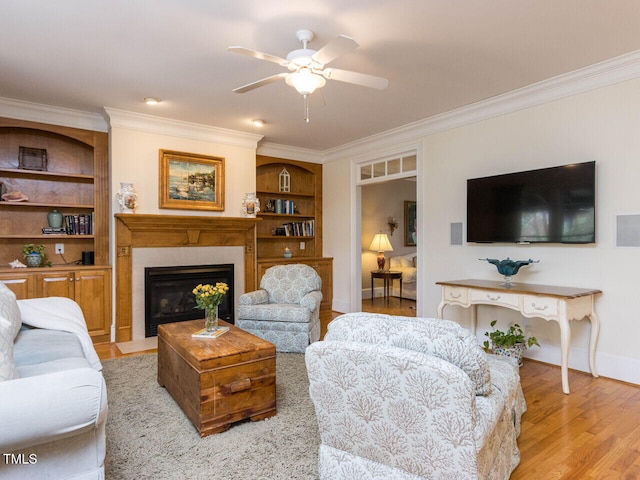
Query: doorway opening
point(388, 238)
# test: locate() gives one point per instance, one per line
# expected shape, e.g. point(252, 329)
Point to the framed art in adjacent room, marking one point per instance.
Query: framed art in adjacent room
point(191, 181)
point(410, 233)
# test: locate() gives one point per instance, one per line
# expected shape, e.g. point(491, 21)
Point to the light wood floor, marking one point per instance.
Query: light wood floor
point(591, 434)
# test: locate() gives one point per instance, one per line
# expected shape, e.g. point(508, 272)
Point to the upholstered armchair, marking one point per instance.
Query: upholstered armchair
point(412, 398)
point(286, 309)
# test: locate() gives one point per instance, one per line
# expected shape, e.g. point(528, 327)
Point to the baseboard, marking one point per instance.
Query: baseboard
point(378, 292)
point(611, 366)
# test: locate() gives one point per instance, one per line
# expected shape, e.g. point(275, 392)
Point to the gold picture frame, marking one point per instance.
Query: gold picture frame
point(191, 181)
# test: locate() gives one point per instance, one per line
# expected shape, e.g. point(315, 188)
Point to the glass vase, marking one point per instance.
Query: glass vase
point(211, 319)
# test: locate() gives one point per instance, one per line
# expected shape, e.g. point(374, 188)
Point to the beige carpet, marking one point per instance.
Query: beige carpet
point(138, 345)
point(149, 437)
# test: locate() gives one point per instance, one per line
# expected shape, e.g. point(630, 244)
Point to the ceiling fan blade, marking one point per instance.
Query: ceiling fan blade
point(259, 55)
point(335, 48)
point(260, 83)
point(356, 78)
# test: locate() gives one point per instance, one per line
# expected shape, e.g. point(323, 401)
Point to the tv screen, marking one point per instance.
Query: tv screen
point(550, 205)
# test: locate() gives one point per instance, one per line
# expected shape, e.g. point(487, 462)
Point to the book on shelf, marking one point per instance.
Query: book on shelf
point(299, 229)
point(54, 231)
point(285, 207)
point(79, 224)
point(215, 334)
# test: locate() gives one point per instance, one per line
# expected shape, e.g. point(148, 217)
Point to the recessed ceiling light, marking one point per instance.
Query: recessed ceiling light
point(257, 122)
point(151, 101)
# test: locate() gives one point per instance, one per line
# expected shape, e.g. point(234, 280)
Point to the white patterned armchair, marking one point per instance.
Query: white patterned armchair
point(412, 398)
point(286, 309)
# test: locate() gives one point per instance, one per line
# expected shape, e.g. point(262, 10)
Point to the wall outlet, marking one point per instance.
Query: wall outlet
point(302, 245)
point(60, 248)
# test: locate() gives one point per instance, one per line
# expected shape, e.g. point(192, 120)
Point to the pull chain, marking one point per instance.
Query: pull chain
point(306, 109)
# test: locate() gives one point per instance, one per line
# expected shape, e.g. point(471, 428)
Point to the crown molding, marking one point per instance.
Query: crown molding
point(609, 72)
point(292, 153)
point(66, 117)
point(178, 128)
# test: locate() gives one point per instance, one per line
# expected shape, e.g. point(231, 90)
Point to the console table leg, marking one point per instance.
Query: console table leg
point(565, 341)
point(474, 317)
point(593, 342)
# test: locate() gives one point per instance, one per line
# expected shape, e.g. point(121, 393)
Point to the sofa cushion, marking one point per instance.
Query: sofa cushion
point(408, 260)
point(53, 366)
point(441, 338)
point(275, 312)
point(289, 283)
point(10, 323)
point(37, 345)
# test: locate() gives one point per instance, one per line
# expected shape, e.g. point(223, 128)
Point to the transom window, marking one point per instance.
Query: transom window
point(393, 167)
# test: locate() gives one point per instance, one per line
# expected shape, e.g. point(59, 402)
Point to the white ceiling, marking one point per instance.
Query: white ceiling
point(437, 54)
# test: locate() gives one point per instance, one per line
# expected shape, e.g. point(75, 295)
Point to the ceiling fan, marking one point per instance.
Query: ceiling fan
point(307, 70)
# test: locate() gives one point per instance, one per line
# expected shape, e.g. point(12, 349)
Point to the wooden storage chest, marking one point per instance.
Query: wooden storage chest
point(217, 381)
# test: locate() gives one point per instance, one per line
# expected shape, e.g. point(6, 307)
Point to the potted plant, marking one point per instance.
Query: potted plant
point(34, 255)
point(511, 343)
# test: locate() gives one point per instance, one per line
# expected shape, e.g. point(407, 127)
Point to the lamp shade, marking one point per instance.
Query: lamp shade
point(305, 81)
point(381, 243)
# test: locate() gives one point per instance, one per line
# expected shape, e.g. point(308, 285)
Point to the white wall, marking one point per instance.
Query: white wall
point(339, 228)
point(135, 158)
point(601, 125)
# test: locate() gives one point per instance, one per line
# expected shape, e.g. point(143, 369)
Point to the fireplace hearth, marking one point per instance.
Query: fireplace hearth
point(169, 297)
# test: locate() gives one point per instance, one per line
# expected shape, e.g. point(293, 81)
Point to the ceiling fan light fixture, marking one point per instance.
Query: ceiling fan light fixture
point(305, 81)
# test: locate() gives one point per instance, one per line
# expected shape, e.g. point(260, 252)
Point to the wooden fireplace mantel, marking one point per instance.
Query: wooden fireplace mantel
point(157, 231)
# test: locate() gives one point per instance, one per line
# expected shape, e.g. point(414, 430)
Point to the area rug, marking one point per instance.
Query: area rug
point(148, 435)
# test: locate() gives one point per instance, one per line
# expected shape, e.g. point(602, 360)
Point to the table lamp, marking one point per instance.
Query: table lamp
point(381, 244)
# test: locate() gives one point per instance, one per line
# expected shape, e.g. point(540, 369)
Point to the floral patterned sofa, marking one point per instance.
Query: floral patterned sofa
point(412, 398)
point(286, 309)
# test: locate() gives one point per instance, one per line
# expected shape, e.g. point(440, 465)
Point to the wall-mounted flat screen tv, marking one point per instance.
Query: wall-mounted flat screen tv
point(549, 205)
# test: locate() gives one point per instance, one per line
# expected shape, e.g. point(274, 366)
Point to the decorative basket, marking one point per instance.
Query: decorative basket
point(32, 159)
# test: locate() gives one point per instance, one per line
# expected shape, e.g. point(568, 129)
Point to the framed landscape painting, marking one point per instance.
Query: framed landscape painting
point(191, 181)
point(410, 234)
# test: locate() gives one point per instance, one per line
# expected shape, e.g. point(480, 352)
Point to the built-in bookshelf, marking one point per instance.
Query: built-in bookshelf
point(291, 219)
point(71, 178)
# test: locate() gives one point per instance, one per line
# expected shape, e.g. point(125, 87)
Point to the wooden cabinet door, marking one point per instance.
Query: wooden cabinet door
point(91, 289)
point(22, 284)
point(324, 267)
point(55, 284)
point(93, 294)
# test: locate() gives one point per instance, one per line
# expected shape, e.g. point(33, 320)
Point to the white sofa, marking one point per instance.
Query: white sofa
point(53, 398)
point(412, 398)
point(407, 264)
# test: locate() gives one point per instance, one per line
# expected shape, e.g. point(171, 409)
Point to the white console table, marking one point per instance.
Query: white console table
point(560, 304)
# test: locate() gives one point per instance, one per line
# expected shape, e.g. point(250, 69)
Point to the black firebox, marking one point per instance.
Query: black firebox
point(169, 297)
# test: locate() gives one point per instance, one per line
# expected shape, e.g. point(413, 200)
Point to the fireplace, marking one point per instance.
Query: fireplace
point(169, 297)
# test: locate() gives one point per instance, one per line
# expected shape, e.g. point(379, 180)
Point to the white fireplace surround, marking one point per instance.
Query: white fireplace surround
point(175, 257)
